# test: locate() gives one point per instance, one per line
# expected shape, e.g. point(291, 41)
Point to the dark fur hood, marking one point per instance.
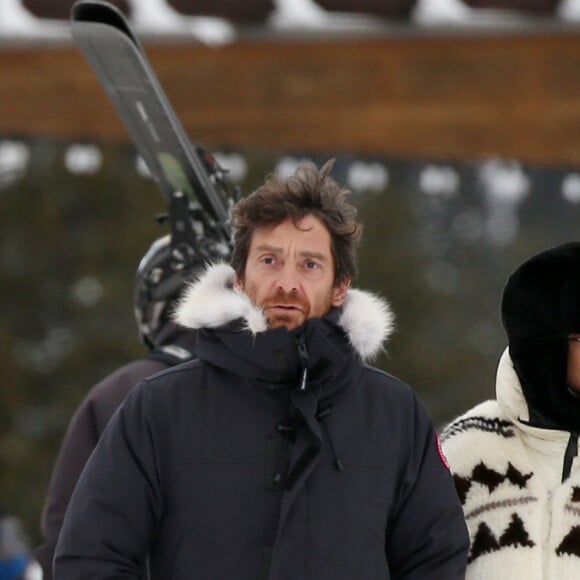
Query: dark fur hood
point(540, 309)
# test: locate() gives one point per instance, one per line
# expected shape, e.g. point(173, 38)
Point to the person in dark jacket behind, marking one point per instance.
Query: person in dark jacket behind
point(279, 453)
point(168, 344)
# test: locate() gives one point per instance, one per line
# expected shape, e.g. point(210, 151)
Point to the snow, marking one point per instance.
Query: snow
point(307, 14)
point(569, 10)
point(439, 180)
point(234, 164)
point(368, 177)
point(14, 161)
point(83, 159)
point(571, 188)
point(17, 21)
point(158, 17)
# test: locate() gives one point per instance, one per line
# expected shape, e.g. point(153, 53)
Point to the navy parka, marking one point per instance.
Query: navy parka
point(277, 455)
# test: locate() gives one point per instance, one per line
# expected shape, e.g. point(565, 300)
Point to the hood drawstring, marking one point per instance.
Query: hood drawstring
point(571, 452)
point(321, 416)
point(288, 426)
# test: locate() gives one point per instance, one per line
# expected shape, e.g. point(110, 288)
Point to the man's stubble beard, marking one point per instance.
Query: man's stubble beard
point(288, 320)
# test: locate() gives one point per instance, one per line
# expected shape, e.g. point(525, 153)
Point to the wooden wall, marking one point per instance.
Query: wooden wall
point(454, 96)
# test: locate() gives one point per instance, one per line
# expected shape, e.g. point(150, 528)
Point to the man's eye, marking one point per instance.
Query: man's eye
point(268, 260)
point(312, 265)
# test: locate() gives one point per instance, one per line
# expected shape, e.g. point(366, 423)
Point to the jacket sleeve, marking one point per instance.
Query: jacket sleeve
point(79, 441)
point(427, 536)
point(82, 435)
point(116, 504)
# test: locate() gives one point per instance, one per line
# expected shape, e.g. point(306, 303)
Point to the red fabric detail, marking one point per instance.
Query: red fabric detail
point(441, 454)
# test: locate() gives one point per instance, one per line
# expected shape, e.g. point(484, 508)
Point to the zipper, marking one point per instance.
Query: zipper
point(569, 455)
point(303, 356)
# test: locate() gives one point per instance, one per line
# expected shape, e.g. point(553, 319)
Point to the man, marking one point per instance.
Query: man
point(278, 454)
point(515, 459)
point(168, 344)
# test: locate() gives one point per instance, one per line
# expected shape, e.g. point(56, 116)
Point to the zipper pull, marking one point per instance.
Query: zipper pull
point(303, 356)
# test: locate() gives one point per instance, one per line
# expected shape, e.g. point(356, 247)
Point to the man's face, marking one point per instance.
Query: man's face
point(290, 273)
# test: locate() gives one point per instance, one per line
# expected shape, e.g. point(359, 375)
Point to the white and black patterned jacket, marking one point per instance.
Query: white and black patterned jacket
point(524, 522)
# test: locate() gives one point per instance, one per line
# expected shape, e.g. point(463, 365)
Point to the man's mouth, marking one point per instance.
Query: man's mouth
point(285, 307)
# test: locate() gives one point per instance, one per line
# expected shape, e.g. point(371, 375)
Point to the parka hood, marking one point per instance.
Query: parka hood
point(540, 309)
point(212, 302)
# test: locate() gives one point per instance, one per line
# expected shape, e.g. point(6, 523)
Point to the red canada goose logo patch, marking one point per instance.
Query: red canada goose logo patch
point(440, 451)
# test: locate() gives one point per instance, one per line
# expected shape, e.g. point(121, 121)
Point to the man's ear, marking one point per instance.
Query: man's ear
point(238, 283)
point(339, 292)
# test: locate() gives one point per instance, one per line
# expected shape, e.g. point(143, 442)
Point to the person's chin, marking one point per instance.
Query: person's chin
point(287, 319)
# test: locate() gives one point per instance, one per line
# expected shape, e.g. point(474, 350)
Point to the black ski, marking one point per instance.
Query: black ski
point(178, 167)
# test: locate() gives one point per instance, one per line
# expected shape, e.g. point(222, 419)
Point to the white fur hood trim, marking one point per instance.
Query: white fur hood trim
point(212, 301)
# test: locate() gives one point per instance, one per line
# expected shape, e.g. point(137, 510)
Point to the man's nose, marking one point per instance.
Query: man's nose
point(288, 279)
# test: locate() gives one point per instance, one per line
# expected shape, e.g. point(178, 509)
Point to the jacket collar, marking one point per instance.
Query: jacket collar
point(212, 302)
point(510, 398)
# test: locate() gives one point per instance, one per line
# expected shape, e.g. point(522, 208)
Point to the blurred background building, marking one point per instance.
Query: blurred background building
point(456, 124)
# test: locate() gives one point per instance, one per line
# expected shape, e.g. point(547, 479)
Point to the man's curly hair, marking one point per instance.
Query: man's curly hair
point(308, 191)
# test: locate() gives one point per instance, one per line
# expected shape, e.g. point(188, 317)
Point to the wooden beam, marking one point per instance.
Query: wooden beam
point(432, 96)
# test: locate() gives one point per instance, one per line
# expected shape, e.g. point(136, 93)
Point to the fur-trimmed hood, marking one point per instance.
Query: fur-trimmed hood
point(212, 301)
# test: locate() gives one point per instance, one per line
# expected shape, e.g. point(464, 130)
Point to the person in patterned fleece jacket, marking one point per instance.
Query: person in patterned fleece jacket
point(515, 459)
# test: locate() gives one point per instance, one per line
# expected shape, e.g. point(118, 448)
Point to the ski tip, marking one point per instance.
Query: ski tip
point(91, 11)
